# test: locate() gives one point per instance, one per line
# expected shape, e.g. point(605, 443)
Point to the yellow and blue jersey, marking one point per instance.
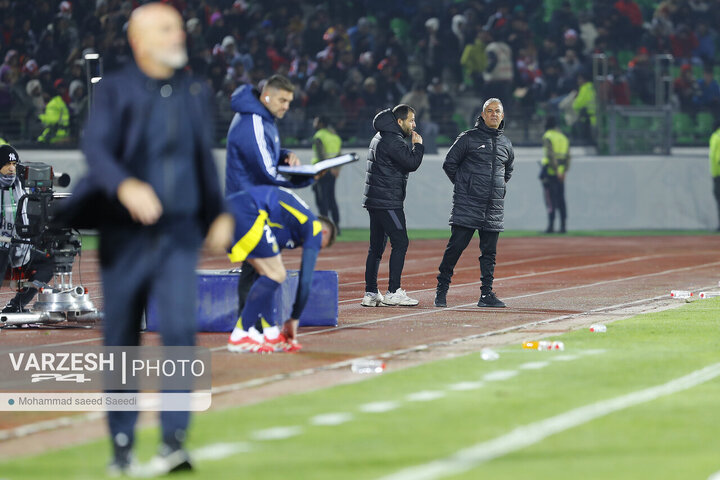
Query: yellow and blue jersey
point(253, 237)
point(293, 223)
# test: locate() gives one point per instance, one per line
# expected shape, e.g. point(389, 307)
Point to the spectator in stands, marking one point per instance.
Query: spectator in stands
point(417, 98)
point(56, 118)
point(499, 71)
point(707, 39)
point(561, 20)
point(431, 49)
point(631, 10)
point(683, 43)
point(326, 144)
point(708, 95)
point(474, 62)
point(641, 77)
point(685, 89)
point(442, 107)
point(584, 106)
point(571, 41)
point(588, 33)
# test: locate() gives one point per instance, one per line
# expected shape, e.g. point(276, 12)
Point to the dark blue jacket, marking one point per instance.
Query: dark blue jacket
point(253, 146)
point(113, 143)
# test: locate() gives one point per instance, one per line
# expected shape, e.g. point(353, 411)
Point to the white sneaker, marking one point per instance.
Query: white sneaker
point(399, 298)
point(372, 300)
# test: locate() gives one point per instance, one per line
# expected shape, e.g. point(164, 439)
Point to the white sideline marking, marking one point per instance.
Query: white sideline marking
point(714, 476)
point(464, 386)
point(276, 433)
point(530, 434)
point(534, 365)
point(331, 419)
point(499, 375)
point(218, 451)
point(424, 396)
point(378, 407)
point(566, 358)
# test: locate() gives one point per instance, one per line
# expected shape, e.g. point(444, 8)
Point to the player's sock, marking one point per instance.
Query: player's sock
point(260, 303)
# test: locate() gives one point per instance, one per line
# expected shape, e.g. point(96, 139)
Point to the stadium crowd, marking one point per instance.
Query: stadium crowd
point(350, 59)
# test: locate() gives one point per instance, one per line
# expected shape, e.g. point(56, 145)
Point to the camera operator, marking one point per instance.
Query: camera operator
point(16, 254)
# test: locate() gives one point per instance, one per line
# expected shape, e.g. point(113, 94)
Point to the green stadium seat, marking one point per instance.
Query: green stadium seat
point(460, 122)
point(624, 57)
point(683, 128)
point(704, 124)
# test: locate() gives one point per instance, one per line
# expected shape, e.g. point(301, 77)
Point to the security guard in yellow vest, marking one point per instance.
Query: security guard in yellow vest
point(326, 144)
point(56, 118)
point(555, 164)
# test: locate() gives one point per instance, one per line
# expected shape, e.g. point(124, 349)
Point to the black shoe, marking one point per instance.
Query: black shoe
point(13, 307)
point(490, 300)
point(549, 230)
point(440, 300)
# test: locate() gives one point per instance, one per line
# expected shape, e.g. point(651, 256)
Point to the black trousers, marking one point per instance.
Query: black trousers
point(40, 268)
point(459, 239)
point(324, 190)
point(248, 275)
point(554, 190)
point(716, 191)
point(386, 224)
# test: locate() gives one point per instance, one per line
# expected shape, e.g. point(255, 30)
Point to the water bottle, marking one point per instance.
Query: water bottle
point(709, 294)
point(537, 345)
point(557, 345)
point(489, 354)
point(681, 294)
point(367, 366)
point(598, 328)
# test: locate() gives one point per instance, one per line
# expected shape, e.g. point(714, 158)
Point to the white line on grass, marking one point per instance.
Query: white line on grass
point(534, 365)
point(378, 407)
point(218, 451)
point(331, 419)
point(714, 476)
point(465, 386)
point(499, 375)
point(276, 433)
point(533, 433)
point(424, 396)
point(565, 358)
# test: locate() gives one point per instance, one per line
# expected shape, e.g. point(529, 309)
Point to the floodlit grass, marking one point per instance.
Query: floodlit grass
point(671, 437)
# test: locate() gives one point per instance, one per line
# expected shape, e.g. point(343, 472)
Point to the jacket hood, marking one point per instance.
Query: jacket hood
point(385, 121)
point(480, 124)
point(245, 100)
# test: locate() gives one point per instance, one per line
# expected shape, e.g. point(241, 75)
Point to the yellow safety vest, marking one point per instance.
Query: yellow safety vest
point(560, 149)
point(331, 144)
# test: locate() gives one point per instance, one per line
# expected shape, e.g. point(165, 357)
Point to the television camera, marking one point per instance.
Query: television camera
point(35, 225)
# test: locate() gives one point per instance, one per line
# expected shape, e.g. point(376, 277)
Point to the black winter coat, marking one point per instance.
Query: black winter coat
point(479, 164)
point(389, 161)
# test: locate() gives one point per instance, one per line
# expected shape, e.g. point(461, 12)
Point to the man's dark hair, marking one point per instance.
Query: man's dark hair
point(331, 226)
point(280, 82)
point(401, 111)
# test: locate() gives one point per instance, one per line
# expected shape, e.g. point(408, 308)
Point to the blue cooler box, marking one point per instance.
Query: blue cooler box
point(217, 300)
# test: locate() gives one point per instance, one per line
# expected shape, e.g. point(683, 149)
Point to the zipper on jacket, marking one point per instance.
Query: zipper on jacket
point(492, 177)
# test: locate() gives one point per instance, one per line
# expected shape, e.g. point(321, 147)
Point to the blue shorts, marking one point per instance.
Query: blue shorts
point(253, 237)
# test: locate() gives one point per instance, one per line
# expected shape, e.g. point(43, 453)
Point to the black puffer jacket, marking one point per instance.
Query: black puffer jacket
point(389, 161)
point(479, 164)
